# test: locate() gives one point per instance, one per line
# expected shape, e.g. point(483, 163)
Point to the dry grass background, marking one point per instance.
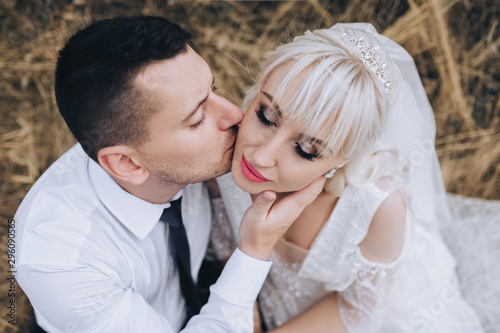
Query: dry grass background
point(455, 44)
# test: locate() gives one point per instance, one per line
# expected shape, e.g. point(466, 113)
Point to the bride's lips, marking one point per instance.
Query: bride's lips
point(250, 172)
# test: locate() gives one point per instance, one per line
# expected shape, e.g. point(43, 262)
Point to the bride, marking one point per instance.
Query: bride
point(367, 255)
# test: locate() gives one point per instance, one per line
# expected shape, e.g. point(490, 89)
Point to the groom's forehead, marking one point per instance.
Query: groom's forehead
point(181, 83)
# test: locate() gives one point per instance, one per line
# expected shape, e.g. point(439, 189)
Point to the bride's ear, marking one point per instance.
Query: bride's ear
point(123, 163)
point(342, 163)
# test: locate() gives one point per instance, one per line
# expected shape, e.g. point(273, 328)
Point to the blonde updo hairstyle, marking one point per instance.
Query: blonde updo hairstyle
point(340, 99)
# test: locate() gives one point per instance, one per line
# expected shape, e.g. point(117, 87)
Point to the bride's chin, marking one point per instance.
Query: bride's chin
point(245, 186)
point(255, 188)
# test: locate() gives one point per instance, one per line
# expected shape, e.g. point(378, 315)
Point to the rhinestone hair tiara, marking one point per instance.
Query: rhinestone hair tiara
point(372, 59)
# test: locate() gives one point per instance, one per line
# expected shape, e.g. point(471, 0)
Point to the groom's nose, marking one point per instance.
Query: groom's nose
point(229, 114)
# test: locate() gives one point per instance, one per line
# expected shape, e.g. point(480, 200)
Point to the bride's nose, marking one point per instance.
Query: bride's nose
point(265, 155)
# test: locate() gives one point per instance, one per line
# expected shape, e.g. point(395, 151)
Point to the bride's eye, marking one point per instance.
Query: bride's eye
point(305, 155)
point(264, 116)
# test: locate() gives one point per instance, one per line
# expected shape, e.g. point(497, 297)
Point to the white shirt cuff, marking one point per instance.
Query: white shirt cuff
point(241, 280)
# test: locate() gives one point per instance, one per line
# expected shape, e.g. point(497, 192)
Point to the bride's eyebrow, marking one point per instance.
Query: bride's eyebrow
point(274, 104)
point(314, 140)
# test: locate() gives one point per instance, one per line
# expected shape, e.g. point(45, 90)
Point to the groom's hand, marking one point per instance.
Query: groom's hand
point(265, 222)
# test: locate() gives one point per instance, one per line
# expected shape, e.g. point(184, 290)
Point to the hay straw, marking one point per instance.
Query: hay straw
point(455, 44)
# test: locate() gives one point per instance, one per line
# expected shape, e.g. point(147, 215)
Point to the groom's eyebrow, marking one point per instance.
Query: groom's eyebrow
point(273, 103)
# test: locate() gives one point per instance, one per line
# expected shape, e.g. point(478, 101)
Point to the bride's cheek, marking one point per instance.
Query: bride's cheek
point(300, 184)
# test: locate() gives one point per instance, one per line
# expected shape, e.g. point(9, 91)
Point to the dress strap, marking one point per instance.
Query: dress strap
point(345, 229)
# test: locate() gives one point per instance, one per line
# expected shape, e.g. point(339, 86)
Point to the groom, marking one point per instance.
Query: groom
point(104, 242)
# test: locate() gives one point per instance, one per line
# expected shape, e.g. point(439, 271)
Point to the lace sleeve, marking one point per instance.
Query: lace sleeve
point(222, 242)
point(363, 304)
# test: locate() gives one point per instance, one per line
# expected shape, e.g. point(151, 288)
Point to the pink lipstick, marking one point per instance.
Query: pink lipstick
point(250, 172)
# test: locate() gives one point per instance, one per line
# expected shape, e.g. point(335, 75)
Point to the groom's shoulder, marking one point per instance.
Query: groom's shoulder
point(63, 195)
point(66, 177)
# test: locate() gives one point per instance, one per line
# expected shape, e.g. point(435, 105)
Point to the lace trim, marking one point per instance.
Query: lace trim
point(282, 294)
point(366, 296)
point(236, 202)
point(222, 243)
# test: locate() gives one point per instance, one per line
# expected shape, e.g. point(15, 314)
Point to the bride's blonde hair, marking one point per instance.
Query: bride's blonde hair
point(347, 84)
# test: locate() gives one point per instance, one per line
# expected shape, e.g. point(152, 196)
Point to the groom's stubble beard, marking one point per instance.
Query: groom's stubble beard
point(188, 174)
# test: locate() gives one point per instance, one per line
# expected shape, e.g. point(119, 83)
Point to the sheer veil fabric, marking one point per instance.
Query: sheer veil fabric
point(471, 227)
point(411, 130)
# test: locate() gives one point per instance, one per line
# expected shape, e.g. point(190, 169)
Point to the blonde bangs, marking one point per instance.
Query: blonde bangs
point(333, 96)
point(332, 102)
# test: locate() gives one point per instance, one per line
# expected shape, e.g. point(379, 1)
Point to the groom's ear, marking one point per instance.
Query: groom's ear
point(123, 163)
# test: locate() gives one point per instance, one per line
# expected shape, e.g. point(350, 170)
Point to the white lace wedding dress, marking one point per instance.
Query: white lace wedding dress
point(418, 292)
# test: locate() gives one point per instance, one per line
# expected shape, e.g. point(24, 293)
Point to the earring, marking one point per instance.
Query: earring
point(330, 173)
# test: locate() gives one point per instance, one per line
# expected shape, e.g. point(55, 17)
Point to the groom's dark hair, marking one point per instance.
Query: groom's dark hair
point(94, 78)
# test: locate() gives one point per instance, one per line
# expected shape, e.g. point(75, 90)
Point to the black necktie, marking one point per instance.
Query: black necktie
point(180, 252)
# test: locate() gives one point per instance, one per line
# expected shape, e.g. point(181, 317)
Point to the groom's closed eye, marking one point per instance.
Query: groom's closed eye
point(199, 122)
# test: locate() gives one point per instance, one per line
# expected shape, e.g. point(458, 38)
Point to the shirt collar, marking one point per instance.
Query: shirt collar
point(136, 214)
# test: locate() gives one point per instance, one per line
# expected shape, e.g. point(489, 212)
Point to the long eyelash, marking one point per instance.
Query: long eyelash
point(198, 123)
point(260, 114)
point(303, 154)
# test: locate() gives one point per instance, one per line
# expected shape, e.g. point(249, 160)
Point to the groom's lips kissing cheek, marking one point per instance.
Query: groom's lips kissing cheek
point(250, 172)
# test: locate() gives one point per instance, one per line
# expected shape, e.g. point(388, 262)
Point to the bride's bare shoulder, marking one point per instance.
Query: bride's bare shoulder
point(385, 237)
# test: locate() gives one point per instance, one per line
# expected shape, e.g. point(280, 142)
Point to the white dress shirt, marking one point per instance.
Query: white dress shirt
point(93, 258)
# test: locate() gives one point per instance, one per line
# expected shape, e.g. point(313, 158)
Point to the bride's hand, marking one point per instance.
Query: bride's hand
point(264, 222)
